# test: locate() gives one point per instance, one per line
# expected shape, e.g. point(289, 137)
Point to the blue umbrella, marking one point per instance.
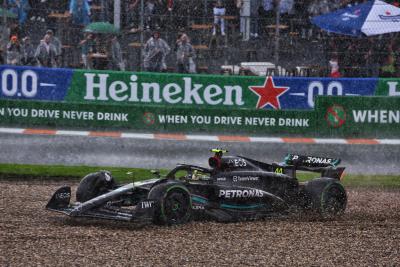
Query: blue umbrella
point(369, 18)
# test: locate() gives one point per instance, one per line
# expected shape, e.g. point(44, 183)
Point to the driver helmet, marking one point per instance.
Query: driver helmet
point(195, 175)
point(215, 161)
point(218, 152)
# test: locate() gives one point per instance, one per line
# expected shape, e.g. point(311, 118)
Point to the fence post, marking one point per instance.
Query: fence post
point(5, 37)
point(277, 23)
point(117, 13)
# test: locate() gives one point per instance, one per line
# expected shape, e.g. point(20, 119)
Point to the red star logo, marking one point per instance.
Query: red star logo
point(268, 94)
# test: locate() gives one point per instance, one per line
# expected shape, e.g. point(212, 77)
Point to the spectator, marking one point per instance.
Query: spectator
point(318, 7)
point(370, 59)
point(184, 55)
point(170, 5)
point(244, 11)
point(286, 7)
point(155, 51)
point(20, 8)
point(28, 52)
point(14, 51)
point(46, 53)
point(132, 13)
point(39, 11)
point(388, 69)
point(149, 12)
point(88, 46)
point(268, 8)
point(334, 64)
point(163, 13)
point(5, 33)
point(80, 11)
point(116, 60)
point(219, 12)
point(57, 45)
point(254, 7)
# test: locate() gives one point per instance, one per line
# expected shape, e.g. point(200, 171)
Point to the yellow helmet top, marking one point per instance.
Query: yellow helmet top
point(219, 150)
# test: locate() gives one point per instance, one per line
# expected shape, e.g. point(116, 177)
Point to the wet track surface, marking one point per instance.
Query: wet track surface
point(368, 234)
point(106, 151)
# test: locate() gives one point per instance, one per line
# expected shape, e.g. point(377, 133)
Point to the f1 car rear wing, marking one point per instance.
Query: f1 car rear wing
point(326, 166)
point(310, 161)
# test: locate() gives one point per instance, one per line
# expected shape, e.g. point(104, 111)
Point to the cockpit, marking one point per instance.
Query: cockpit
point(189, 173)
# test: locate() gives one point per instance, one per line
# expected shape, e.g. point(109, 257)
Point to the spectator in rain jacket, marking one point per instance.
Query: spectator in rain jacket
point(116, 60)
point(184, 54)
point(80, 11)
point(28, 52)
point(20, 8)
point(13, 51)
point(155, 51)
point(46, 53)
point(57, 45)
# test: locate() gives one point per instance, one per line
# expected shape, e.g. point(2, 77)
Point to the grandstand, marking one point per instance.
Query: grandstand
point(267, 40)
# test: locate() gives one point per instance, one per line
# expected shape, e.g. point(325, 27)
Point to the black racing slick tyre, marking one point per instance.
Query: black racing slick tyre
point(93, 185)
point(173, 203)
point(327, 197)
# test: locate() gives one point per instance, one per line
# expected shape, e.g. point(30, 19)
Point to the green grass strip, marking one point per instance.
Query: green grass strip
point(14, 171)
point(69, 172)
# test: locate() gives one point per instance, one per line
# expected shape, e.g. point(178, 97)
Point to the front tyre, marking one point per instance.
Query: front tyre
point(327, 197)
point(93, 185)
point(174, 204)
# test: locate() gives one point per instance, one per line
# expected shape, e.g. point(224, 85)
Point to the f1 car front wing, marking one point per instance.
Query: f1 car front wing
point(99, 207)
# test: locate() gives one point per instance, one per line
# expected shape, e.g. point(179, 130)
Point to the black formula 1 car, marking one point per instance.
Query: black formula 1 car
point(234, 188)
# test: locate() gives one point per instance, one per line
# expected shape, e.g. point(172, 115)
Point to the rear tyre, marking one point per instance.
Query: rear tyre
point(93, 185)
point(327, 197)
point(174, 204)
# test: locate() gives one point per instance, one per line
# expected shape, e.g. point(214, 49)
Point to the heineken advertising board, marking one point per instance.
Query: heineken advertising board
point(351, 117)
point(183, 90)
point(359, 116)
point(148, 117)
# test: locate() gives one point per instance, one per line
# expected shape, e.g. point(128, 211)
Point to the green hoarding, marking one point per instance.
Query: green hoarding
point(127, 88)
point(359, 117)
point(153, 118)
point(208, 91)
point(350, 117)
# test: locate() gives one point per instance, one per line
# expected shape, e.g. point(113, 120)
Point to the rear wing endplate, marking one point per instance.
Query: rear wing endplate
point(326, 166)
point(311, 161)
